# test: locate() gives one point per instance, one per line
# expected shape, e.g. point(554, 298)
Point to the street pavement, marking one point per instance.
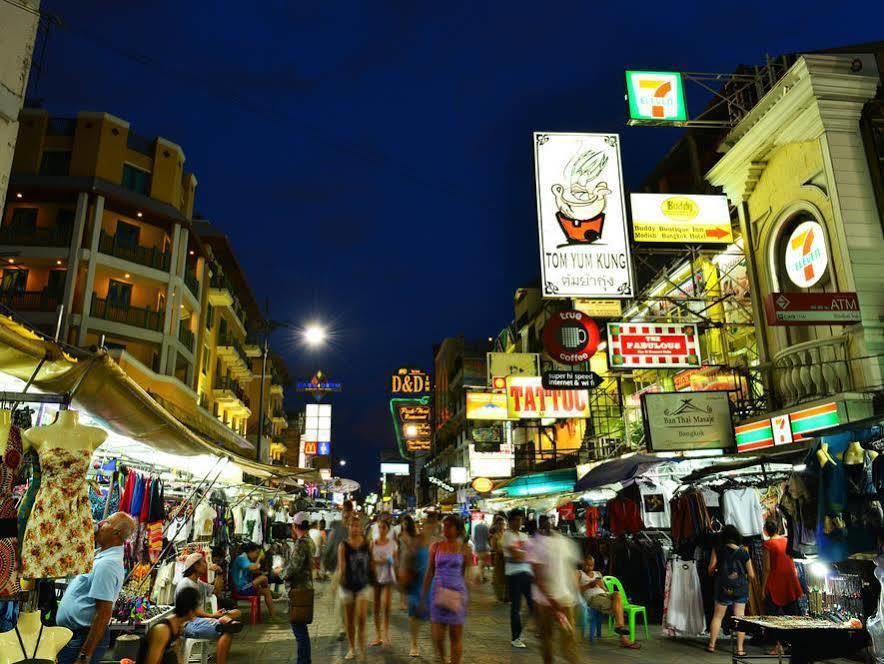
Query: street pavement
point(487, 640)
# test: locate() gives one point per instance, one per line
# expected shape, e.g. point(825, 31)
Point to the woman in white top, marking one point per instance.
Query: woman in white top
point(384, 562)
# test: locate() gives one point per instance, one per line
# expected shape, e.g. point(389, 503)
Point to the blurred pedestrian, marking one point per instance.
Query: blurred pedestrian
point(338, 531)
point(518, 574)
point(498, 574)
point(553, 559)
point(446, 571)
point(481, 545)
point(354, 571)
point(414, 568)
point(782, 587)
point(315, 535)
point(407, 532)
point(384, 561)
point(732, 568)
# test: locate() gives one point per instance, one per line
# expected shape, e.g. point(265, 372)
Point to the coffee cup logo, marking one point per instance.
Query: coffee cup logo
point(573, 337)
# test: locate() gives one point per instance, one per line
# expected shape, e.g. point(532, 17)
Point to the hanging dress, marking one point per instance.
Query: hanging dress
point(10, 465)
point(59, 539)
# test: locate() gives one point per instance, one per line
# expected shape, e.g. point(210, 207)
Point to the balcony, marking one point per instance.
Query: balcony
point(147, 256)
point(229, 394)
point(279, 417)
point(42, 300)
point(815, 369)
point(230, 350)
point(192, 283)
point(36, 236)
point(144, 318)
point(186, 337)
point(221, 294)
point(253, 344)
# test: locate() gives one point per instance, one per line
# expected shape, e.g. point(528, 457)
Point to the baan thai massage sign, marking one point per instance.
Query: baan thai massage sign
point(528, 399)
point(584, 243)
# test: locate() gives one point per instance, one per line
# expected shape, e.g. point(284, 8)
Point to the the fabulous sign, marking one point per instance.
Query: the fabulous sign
point(653, 346)
point(584, 243)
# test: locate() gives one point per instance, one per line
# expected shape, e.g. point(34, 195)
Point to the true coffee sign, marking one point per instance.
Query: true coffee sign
point(571, 337)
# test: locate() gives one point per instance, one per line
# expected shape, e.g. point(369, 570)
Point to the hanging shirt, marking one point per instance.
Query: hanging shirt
point(179, 529)
point(203, 520)
point(654, 505)
point(743, 510)
point(238, 520)
point(711, 497)
point(624, 516)
point(253, 525)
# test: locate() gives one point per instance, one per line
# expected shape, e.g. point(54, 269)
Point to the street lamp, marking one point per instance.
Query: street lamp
point(342, 462)
point(314, 335)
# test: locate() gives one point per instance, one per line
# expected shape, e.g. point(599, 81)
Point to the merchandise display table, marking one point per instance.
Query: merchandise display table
point(808, 639)
point(157, 613)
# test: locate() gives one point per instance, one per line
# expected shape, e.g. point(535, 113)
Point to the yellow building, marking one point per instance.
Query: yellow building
point(99, 246)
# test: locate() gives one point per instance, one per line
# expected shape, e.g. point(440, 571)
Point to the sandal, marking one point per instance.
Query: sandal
point(740, 654)
point(632, 645)
point(229, 627)
point(710, 648)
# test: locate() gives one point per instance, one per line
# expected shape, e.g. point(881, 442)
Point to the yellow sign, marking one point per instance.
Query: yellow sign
point(678, 218)
point(512, 364)
point(528, 399)
point(482, 485)
point(599, 308)
point(486, 406)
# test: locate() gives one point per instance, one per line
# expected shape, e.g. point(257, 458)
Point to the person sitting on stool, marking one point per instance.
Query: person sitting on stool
point(218, 626)
point(597, 597)
point(244, 566)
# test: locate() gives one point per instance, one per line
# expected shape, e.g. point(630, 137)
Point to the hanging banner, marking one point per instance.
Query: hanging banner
point(682, 218)
point(656, 97)
point(584, 244)
point(688, 421)
point(527, 399)
point(653, 346)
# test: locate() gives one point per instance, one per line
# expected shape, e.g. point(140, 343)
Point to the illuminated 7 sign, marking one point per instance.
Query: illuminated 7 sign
point(656, 97)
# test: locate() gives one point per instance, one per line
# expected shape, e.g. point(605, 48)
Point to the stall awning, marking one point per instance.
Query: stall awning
point(616, 470)
point(536, 484)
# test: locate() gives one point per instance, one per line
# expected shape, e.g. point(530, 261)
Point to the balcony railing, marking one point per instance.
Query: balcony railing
point(148, 256)
point(38, 236)
point(221, 282)
point(192, 283)
point(145, 318)
point(230, 342)
point(186, 337)
point(231, 385)
point(813, 370)
point(43, 300)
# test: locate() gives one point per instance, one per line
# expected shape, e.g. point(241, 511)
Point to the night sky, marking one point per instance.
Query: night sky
point(372, 162)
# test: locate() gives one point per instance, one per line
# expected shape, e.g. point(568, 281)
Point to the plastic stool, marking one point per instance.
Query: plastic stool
point(203, 651)
point(594, 620)
point(254, 606)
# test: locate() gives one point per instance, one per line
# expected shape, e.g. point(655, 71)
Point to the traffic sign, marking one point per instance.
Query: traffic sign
point(571, 337)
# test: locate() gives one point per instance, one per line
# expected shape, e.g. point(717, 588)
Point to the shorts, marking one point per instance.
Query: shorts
point(724, 600)
point(602, 602)
point(202, 628)
point(350, 596)
point(247, 590)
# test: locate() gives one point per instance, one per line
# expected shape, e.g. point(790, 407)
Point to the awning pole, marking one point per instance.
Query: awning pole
point(244, 498)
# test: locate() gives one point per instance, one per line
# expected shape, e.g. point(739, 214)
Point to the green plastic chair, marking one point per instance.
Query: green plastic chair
point(612, 583)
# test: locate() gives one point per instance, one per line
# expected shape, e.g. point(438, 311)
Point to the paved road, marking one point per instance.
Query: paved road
point(486, 641)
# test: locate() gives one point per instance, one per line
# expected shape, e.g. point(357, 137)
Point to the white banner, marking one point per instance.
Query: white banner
point(584, 243)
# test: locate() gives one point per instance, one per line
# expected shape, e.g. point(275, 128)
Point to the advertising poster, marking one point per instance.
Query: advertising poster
point(486, 406)
point(656, 97)
point(688, 421)
point(681, 218)
point(527, 399)
point(501, 365)
point(492, 464)
point(653, 345)
point(584, 243)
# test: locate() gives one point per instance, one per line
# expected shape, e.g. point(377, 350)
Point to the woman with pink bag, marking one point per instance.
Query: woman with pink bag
point(449, 560)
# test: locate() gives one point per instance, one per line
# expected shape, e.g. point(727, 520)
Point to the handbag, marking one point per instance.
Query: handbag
point(448, 599)
point(301, 606)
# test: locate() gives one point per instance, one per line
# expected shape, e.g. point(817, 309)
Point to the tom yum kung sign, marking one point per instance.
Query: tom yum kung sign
point(584, 243)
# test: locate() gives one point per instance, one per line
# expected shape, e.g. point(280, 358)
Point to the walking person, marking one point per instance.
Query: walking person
point(553, 559)
point(446, 571)
point(407, 533)
point(298, 576)
point(414, 569)
point(384, 562)
point(354, 570)
point(337, 533)
point(315, 535)
point(782, 588)
point(518, 574)
point(481, 546)
point(732, 568)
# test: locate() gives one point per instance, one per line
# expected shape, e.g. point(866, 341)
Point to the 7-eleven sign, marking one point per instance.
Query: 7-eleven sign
point(655, 96)
point(806, 257)
point(782, 429)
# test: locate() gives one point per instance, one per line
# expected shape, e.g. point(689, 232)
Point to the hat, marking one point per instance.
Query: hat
point(301, 518)
point(192, 560)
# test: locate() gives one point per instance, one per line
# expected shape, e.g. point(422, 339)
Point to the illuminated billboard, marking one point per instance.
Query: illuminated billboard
point(681, 218)
point(656, 97)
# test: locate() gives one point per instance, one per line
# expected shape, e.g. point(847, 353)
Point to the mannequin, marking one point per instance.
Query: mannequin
point(5, 426)
point(823, 455)
point(59, 539)
point(43, 645)
point(854, 454)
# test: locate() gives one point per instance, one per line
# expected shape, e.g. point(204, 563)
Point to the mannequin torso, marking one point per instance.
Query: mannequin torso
point(65, 433)
point(47, 645)
point(5, 426)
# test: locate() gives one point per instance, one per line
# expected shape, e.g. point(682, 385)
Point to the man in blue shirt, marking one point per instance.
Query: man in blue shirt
point(89, 599)
point(247, 577)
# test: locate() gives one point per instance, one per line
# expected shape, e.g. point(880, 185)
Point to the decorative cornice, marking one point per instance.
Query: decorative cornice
point(819, 93)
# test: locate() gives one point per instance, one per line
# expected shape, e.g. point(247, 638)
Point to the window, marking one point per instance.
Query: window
point(119, 294)
point(127, 235)
point(23, 219)
point(64, 222)
point(14, 280)
point(136, 179)
point(210, 317)
point(222, 330)
point(55, 162)
point(205, 366)
point(55, 285)
point(218, 372)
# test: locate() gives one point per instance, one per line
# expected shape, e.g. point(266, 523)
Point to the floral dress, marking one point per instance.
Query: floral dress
point(10, 465)
point(59, 539)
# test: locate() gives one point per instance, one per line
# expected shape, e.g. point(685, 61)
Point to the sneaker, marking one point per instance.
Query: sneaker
point(518, 643)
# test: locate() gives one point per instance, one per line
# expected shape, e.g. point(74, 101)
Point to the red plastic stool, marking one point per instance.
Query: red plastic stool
point(254, 606)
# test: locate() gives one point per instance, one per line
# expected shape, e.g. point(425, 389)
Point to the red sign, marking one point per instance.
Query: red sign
point(812, 309)
point(653, 346)
point(571, 337)
point(310, 448)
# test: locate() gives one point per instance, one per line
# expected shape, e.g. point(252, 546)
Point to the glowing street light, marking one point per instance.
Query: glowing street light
point(342, 462)
point(314, 335)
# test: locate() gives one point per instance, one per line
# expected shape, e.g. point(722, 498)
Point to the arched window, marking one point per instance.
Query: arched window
point(801, 258)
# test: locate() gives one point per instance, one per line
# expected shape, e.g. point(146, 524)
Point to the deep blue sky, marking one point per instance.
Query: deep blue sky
point(372, 162)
